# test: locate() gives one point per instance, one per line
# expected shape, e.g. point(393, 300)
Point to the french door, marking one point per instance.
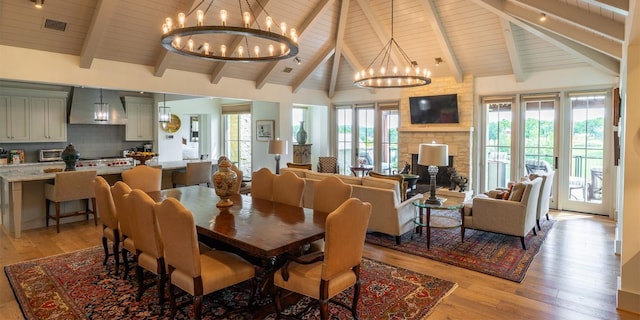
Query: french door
point(367, 134)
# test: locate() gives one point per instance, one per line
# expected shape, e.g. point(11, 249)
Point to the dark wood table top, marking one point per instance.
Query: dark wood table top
point(263, 229)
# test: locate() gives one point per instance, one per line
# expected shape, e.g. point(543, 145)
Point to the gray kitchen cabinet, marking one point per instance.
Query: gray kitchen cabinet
point(48, 119)
point(139, 119)
point(14, 118)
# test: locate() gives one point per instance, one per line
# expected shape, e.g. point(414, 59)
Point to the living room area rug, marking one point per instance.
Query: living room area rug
point(77, 286)
point(486, 252)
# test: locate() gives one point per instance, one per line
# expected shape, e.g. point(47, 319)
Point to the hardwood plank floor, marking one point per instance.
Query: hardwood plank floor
point(573, 276)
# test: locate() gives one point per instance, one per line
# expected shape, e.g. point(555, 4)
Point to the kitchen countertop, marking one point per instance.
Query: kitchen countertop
point(34, 171)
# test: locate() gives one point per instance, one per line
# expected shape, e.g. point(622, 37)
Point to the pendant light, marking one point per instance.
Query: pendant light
point(101, 110)
point(164, 112)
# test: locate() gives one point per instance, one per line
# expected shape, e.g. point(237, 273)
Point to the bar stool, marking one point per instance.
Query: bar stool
point(195, 174)
point(69, 186)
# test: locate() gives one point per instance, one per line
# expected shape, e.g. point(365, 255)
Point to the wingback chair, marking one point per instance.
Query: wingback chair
point(262, 184)
point(545, 195)
point(143, 177)
point(328, 165)
point(516, 216)
point(321, 276)
point(109, 218)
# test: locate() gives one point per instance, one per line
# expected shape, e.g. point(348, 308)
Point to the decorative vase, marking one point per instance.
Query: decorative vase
point(70, 157)
point(301, 135)
point(223, 181)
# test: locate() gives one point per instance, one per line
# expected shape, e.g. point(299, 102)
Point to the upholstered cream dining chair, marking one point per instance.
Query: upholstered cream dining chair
point(149, 243)
point(288, 189)
point(109, 218)
point(328, 194)
point(239, 176)
point(190, 270)
point(143, 177)
point(69, 186)
point(262, 184)
point(196, 173)
point(124, 212)
point(322, 276)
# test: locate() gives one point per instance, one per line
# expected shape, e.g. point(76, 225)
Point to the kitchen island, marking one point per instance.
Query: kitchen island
point(22, 203)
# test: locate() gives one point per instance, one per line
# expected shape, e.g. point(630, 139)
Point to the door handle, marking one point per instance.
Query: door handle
point(555, 163)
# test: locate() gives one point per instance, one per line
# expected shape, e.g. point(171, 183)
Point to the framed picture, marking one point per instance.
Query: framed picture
point(264, 130)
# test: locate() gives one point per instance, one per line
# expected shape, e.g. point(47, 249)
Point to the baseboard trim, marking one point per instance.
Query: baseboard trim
point(629, 301)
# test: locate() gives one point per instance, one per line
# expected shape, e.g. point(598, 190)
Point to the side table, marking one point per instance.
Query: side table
point(363, 170)
point(447, 204)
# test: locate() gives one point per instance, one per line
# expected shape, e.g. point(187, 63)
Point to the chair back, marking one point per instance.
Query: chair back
point(239, 176)
point(329, 193)
point(178, 230)
point(288, 189)
point(262, 184)
point(328, 164)
point(394, 177)
point(530, 199)
point(198, 172)
point(345, 232)
point(545, 192)
point(104, 201)
point(143, 177)
point(306, 166)
point(124, 212)
point(146, 233)
point(73, 185)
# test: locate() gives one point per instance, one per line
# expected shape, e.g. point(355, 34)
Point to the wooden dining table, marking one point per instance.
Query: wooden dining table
point(260, 228)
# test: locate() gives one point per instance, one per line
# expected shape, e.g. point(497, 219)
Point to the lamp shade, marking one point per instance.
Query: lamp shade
point(433, 154)
point(277, 146)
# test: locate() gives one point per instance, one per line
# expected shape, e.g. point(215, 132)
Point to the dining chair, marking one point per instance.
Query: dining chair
point(190, 270)
point(195, 173)
point(124, 212)
point(321, 276)
point(143, 177)
point(262, 184)
point(70, 186)
point(328, 194)
point(239, 176)
point(149, 243)
point(108, 216)
point(288, 189)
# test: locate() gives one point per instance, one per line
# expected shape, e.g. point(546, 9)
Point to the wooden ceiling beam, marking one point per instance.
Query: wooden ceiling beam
point(617, 6)
point(512, 50)
point(313, 17)
point(378, 30)
point(443, 41)
point(104, 10)
point(164, 58)
point(312, 67)
point(342, 22)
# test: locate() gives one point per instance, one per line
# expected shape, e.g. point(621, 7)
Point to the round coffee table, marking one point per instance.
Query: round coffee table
point(437, 221)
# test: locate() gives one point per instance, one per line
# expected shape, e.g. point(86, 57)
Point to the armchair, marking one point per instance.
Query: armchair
point(545, 195)
point(328, 165)
point(516, 216)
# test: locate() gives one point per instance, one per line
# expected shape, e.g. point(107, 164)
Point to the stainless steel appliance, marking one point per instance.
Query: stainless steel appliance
point(147, 147)
point(50, 155)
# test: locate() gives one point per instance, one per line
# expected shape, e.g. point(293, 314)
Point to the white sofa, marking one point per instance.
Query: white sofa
point(389, 214)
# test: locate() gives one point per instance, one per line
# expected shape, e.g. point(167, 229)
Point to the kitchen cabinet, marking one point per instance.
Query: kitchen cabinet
point(48, 119)
point(139, 119)
point(14, 118)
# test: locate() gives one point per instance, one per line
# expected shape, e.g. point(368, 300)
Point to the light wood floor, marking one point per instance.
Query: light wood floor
point(573, 276)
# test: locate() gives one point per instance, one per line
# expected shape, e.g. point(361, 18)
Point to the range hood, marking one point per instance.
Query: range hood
point(81, 110)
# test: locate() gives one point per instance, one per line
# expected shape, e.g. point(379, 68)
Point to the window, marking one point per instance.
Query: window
point(237, 136)
point(298, 115)
point(497, 146)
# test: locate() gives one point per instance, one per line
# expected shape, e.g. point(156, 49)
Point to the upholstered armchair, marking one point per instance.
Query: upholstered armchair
point(328, 165)
point(515, 216)
point(545, 195)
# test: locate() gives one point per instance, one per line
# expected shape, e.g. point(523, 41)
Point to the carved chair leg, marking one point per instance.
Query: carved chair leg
point(535, 233)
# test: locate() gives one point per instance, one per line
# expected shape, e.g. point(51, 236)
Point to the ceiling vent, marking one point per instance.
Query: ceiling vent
point(287, 70)
point(55, 25)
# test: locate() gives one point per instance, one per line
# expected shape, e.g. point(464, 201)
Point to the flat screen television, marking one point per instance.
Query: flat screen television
point(434, 109)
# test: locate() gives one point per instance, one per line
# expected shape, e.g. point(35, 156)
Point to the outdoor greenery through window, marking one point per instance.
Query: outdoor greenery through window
point(237, 140)
point(498, 143)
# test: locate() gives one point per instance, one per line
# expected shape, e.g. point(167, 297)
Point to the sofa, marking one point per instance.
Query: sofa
point(390, 215)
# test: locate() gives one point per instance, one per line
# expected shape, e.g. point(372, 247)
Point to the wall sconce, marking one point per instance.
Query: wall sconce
point(38, 3)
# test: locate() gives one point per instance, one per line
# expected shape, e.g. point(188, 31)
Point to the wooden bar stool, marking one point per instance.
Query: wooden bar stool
point(70, 186)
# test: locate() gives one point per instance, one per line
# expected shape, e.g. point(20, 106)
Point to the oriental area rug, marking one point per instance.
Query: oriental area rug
point(487, 252)
point(77, 286)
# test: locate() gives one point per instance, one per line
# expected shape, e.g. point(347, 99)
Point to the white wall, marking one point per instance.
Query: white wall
point(260, 149)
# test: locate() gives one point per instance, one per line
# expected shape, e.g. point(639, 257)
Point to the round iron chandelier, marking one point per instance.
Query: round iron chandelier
point(409, 75)
point(207, 40)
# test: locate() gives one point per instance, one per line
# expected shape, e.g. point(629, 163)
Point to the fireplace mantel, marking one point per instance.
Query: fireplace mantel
point(436, 129)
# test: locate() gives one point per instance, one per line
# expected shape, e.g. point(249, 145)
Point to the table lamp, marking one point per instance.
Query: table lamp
point(433, 155)
point(277, 147)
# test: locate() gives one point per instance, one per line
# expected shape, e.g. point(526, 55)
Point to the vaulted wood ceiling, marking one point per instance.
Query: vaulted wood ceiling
point(337, 37)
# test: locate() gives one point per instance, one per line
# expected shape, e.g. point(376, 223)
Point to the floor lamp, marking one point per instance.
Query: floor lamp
point(277, 147)
point(433, 155)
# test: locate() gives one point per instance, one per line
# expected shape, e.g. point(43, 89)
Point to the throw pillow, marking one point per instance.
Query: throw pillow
point(517, 191)
point(507, 194)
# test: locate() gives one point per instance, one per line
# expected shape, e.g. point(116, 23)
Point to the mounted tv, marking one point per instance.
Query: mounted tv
point(434, 109)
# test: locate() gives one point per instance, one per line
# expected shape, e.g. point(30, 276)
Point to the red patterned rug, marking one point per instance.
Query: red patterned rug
point(77, 286)
point(491, 253)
